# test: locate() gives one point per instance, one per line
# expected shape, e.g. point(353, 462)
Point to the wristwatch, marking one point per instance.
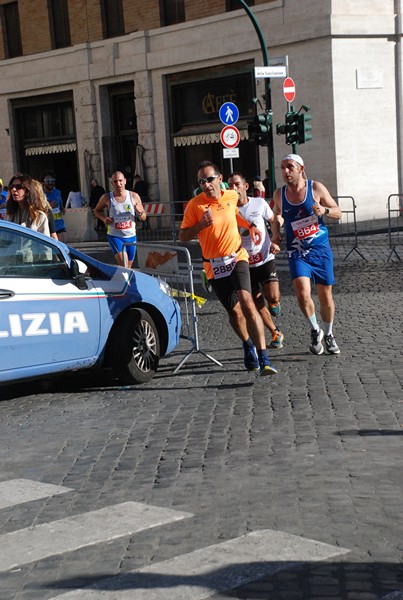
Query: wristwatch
point(327, 210)
point(252, 225)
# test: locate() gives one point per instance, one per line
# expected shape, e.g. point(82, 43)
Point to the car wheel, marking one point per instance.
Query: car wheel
point(135, 347)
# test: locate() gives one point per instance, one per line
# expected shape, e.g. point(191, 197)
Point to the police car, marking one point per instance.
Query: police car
point(61, 310)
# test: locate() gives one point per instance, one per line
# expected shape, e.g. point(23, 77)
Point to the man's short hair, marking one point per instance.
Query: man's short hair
point(239, 174)
point(206, 163)
point(51, 174)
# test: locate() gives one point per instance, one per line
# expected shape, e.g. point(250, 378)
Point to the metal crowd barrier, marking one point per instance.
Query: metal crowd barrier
point(343, 232)
point(173, 264)
point(160, 223)
point(395, 218)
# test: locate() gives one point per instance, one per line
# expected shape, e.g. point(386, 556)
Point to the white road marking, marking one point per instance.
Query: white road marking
point(18, 491)
point(208, 571)
point(54, 538)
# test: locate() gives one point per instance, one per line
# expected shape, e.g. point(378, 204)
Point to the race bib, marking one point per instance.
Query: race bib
point(56, 213)
point(123, 222)
point(303, 228)
point(223, 266)
point(254, 259)
point(3, 212)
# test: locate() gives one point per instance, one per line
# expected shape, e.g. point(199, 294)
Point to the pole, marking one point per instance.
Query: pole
point(270, 145)
point(399, 91)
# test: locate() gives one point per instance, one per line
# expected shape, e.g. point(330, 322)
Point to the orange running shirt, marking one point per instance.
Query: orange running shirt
point(222, 237)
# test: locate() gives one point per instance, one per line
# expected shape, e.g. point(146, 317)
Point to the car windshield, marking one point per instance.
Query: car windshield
point(22, 255)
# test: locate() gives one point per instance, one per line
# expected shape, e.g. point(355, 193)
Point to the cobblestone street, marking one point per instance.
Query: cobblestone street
point(315, 452)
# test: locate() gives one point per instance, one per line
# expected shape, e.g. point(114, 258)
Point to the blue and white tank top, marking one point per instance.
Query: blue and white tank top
point(305, 231)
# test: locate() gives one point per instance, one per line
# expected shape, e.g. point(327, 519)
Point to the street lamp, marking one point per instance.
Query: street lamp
point(270, 145)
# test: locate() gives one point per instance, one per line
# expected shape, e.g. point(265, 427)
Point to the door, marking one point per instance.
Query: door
point(47, 323)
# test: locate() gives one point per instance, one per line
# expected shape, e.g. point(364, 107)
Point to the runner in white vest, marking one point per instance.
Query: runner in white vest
point(123, 208)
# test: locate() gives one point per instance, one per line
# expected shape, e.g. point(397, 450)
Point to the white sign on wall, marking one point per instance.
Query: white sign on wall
point(369, 78)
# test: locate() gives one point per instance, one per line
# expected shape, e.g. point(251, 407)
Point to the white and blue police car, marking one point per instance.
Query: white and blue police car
point(61, 310)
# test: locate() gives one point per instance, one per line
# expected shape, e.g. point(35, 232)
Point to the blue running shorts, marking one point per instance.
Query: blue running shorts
point(116, 243)
point(316, 266)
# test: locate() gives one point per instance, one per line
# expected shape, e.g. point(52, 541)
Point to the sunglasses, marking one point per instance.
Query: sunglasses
point(204, 180)
point(49, 180)
point(17, 186)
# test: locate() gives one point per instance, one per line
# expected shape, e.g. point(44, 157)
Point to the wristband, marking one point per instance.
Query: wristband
point(252, 225)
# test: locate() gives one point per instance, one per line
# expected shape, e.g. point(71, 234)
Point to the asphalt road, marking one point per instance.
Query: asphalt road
point(214, 482)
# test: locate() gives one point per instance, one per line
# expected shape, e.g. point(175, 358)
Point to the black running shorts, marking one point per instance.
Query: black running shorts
point(226, 288)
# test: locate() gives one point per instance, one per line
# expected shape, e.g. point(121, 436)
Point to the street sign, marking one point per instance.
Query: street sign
point(280, 71)
point(230, 152)
point(230, 136)
point(289, 89)
point(276, 61)
point(229, 113)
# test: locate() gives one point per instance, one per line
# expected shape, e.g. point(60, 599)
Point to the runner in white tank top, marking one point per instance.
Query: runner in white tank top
point(123, 207)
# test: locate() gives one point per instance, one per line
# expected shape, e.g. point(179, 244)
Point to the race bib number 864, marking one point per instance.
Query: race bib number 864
point(303, 228)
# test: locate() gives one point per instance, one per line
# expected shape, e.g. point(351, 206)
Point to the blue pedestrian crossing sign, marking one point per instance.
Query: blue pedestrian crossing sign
point(229, 113)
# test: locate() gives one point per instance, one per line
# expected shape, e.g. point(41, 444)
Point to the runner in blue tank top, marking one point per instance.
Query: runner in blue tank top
point(301, 203)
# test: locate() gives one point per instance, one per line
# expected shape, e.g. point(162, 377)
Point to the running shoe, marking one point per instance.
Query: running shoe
point(275, 309)
point(316, 346)
point(277, 340)
point(266, 368)
point(250, 359)
point(330, 345)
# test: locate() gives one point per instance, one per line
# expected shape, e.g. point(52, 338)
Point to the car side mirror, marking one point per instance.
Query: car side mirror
point(78, 270)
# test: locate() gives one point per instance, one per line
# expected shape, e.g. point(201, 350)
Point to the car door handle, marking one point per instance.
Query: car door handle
point(6, 294)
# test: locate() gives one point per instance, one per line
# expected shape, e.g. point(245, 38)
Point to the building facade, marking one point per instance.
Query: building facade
point(90, 86)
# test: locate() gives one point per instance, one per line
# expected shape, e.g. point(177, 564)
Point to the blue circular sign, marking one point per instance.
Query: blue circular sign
point(229, 113)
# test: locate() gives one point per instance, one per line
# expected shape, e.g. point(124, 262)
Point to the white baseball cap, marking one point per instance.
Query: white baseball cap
point(294, 157)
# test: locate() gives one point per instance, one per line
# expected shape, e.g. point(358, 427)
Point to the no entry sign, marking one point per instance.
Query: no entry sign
point(289, 89)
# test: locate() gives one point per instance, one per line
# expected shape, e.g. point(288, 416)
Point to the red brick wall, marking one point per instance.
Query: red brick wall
point(86, 22)
point(141, 15)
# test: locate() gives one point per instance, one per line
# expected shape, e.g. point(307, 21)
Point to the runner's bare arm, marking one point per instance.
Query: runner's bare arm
point(138, 206)
point(103, 203)
point(324, 203)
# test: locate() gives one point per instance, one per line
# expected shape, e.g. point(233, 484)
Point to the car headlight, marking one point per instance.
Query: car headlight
point(165, 287)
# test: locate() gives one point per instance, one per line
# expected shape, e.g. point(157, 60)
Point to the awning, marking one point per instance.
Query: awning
point(50, 149)
point(203, 138)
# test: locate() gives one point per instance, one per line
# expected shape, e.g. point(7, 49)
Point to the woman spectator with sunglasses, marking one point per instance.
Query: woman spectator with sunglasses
point(23, 204)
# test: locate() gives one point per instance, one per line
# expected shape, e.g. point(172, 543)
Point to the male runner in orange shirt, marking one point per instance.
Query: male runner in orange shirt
point(213, 217)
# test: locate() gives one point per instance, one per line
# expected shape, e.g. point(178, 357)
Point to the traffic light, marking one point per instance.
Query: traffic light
point(291, 128)
point(297, 127)
point(259, 128)
point(304, 126)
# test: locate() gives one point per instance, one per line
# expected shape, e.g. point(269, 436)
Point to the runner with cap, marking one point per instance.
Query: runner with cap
point(302, 202)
